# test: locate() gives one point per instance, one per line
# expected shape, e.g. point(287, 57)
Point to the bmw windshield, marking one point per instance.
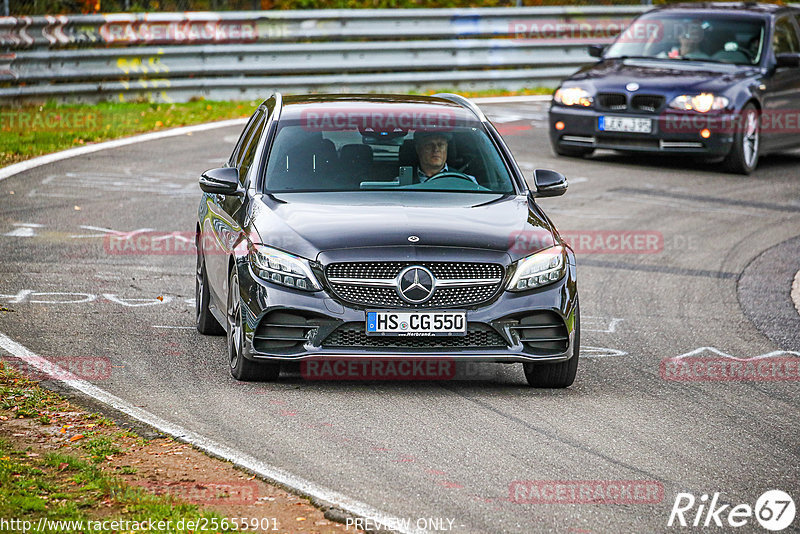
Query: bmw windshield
point(692, 37)
point(384, 147)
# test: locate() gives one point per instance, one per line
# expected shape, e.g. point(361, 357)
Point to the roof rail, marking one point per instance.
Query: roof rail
point(458, 99)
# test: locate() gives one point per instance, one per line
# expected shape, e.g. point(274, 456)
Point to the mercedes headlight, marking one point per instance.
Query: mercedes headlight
point(573, 96)
point(283, 268)
point(703, 102)
point(539, 269)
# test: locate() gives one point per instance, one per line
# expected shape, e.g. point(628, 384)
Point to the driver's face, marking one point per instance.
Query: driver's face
point(432, 152)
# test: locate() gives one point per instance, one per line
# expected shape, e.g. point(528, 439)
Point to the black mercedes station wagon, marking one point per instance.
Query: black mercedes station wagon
point(382, 227)
point(721, 81)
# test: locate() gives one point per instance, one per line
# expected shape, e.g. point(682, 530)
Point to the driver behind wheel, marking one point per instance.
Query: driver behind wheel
point(431, 150)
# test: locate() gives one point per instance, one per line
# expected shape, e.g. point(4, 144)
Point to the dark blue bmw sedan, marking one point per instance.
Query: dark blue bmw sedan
point(718, 80)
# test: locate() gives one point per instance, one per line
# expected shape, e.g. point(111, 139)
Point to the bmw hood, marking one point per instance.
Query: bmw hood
point(316, 224)
point(666, 77)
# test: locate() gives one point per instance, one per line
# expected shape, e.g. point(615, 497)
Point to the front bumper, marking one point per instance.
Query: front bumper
point(672, 132)
point(328, 318)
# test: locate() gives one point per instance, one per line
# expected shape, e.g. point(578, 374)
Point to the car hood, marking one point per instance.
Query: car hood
point(316, 224)
point(661, 76)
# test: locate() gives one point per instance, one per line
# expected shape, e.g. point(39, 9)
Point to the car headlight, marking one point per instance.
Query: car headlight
point(573, 96)
point(703, 102)
point(538, 269)
point(283, 268)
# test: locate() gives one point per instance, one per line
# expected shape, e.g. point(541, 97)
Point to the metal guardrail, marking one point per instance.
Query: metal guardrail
point(243, 55)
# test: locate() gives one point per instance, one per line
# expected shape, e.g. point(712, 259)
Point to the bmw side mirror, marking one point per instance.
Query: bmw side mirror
point(548, 183)
point(222, 181)
point(789, 59)
point(596, 50)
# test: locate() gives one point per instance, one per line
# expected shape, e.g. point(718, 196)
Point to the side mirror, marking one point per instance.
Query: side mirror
point(597, 50)
point(790, 60)
point(548, 183)
point(222, 181)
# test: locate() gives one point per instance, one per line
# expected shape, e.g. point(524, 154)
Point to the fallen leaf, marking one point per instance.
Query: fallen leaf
point(300, 519)
point(160, 298)
point(62, 466)
point(76, 437)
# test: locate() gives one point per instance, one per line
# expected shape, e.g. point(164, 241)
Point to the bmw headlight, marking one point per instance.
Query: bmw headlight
point(573, 96)
point(539, 269)
point(283, 268)
point(704, 102)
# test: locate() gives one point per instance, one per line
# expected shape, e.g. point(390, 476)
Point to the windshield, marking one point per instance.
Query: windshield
point(395, 150)
point(692, 37)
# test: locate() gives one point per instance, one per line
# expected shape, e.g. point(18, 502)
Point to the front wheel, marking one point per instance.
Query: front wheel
point(556, 375)
point(242, 368)
point(743, 157)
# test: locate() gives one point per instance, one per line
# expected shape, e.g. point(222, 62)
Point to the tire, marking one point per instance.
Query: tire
point(556, 375)
point(204, 320)
point(241, 368)
point(572, 151)
point(743, 157)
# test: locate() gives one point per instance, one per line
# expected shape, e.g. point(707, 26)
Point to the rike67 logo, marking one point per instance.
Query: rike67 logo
point(774, 510)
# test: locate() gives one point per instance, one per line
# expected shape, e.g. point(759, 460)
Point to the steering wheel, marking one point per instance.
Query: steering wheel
point(750, 55)
point(450, 174)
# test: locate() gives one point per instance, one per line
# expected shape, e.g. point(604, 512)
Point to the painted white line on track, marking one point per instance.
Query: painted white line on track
point(22, 166)
point(795, 291)
point(174, 327)
point(273, 474)
point(511, 99)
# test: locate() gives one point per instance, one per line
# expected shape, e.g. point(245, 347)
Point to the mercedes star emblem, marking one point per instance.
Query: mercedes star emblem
point(415, 284)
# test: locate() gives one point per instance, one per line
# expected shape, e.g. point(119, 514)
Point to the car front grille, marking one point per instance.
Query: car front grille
point(353, 335)
point(482, 282)
point(647, 103)
point(612, 101)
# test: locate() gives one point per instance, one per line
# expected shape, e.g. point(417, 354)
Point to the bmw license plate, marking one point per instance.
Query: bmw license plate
point(624, 124)
point(416, 323)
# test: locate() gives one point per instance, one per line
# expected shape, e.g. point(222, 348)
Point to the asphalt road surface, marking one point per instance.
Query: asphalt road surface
point(478, 451)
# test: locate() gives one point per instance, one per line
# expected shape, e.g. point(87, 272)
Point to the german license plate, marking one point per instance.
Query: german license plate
point(624, 124)
point(416, 323)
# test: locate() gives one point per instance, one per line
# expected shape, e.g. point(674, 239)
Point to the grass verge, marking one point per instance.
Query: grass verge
point(65, 470)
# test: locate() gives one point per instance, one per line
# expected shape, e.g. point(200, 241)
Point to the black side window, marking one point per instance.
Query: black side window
point(785, 39)
point(238, 151)
point(249, 151)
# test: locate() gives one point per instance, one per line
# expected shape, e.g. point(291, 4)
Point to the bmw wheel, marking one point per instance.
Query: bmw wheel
point(743, 157)
point(242, 368)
